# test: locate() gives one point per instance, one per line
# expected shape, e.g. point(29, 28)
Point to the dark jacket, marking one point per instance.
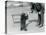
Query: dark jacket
point(23, 17)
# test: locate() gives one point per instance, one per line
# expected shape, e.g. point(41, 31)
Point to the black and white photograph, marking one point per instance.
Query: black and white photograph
point(24, 17)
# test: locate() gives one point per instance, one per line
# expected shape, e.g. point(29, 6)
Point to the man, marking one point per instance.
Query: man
point(23, 21)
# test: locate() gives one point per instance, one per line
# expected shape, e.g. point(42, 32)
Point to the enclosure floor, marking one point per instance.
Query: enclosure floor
point(15, 28)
